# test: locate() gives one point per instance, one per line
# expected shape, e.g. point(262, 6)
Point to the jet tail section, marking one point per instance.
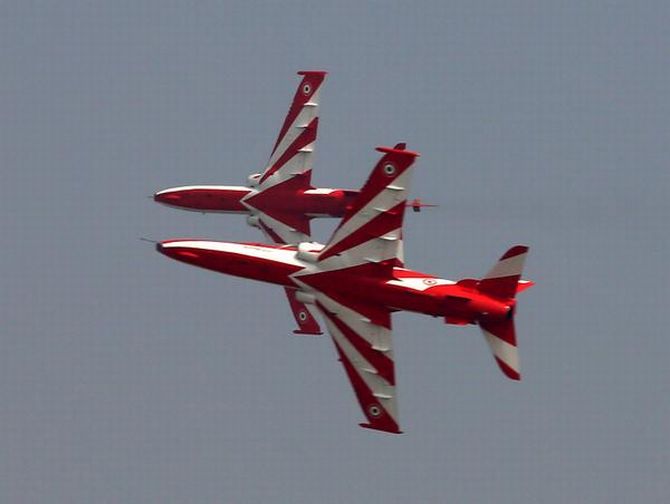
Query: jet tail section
point(501, 338)
point(503, 282)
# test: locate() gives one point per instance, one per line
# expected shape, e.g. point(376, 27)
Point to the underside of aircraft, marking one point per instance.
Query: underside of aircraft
point(357, 280)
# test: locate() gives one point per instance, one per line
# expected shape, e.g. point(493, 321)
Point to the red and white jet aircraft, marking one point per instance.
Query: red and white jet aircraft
point(281, 201)
point(355, 284)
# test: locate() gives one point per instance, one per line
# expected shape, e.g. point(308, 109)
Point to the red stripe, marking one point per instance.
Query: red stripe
point(404, 273)
point(503, 329)
point(515, 251)
point(500, 287)
point(296, 221)
point(383, 421)
point(275, 237)
point(379, 360)
point(378, 180)
point(374, 228)
point(509, 372)
point(314, 79)
point(306, 137)
point(275, 201)
point(334, 285)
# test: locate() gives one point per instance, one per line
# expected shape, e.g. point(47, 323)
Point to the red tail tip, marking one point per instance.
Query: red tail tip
point(515, 251)
point(508, 371)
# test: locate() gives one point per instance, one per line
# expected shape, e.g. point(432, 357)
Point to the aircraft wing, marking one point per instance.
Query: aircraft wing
point(280, 234)
point(294, 149)
point(283, 227)
point(290, 167)
point(307, 324)
point(371, 230)
point(367, 243)
point(365, 349)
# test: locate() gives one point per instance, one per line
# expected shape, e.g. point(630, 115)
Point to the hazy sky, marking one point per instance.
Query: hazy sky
point(126, 377)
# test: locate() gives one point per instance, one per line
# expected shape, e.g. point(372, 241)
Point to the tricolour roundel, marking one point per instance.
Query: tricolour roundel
point(374, 410)
point(302, 316)
point(306, 88)
point(389, 169)
point(429, 281)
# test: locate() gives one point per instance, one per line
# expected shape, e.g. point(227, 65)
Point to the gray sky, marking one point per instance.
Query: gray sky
point(125, 377)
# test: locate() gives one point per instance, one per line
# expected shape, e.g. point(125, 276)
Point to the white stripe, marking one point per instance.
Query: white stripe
point(205, 187)
point(384, 201)
point(419, 284)
point(372, 250)
point(377, 335)
point(503, 350)
point(320, 190)
point(286, 256)
point(297, 164)
point(304, 117)
point(400, 252)
point(286, 233)
point(508, 267)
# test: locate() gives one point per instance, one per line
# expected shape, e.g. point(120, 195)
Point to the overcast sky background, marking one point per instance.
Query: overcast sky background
point(127, 377)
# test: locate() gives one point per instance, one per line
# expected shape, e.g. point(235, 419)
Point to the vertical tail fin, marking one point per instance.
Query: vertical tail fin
point(502, 282)
point(503, 279)
point(501, 337)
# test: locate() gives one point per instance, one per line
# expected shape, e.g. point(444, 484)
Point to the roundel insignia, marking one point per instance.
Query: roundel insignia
point(302, 316)
point(307, 88)
point(389, 169)
point(374, 410)
point(429, 281)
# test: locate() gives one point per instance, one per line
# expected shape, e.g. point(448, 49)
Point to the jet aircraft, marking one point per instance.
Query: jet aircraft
point(281, 201)
point(356, 282)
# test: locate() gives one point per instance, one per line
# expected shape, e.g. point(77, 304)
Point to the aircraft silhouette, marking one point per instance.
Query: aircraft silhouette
point(281, 201)
point(357, 280)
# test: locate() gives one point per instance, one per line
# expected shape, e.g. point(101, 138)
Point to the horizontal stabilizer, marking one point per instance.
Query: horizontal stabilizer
point(523, 285)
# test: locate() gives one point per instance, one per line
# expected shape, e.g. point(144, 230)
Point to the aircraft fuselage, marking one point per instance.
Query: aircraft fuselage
point(314, 202)
point(459, 302)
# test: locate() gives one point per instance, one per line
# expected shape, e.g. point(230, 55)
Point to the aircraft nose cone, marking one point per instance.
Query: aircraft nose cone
point(167, 197)
point(159, 248)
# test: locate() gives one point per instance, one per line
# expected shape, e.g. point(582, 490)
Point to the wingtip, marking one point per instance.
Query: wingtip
point(380, 429)
point(396, 150)
point(312, 72)
point(307, 333)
